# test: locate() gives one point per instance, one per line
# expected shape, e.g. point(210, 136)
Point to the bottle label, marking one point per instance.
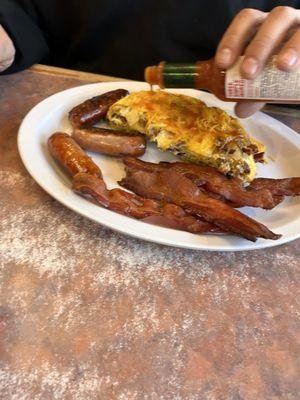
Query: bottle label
point(271, 84)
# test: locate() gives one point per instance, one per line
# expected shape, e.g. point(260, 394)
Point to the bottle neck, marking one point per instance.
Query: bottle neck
point(179, 75)
point(198, 75)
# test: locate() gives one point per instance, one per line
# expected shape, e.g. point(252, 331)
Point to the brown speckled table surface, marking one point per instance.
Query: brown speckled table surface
point(87, 313)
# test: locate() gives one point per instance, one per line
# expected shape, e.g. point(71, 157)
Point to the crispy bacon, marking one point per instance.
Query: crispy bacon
point(172, 186)
point(147, 210)
point(278, 187)
point(217, 185)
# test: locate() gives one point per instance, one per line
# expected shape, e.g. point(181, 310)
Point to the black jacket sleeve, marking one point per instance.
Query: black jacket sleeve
point(28, 39)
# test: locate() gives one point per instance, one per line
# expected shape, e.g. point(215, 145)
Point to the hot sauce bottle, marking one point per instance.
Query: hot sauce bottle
point(272, 85)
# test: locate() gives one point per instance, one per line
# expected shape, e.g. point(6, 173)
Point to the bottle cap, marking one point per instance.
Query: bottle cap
point(153, 75)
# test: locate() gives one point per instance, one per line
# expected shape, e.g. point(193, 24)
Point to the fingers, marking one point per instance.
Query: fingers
point(237, 36)
point(258, 35)
point(245, 109)
point(7, 50)
point(289, 56)
point(270, 35)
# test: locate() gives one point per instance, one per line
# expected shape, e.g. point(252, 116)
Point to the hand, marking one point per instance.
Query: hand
point(258, 35)
point(7, 50)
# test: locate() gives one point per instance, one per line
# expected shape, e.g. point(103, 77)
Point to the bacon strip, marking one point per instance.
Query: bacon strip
point(278, 187)
point(171, 186)
point(147, 210)
point(215, 183)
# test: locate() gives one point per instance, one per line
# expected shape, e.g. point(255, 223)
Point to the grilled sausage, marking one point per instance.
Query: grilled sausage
point(70, 155)
point(93, 110)
point(107, 141)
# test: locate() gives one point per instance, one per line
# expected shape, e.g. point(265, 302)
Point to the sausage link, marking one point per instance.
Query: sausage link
point(70, 155)
point(113, 143)
point(93, 110)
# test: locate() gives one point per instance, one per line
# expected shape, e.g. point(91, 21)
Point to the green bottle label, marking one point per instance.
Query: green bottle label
point(179, 75)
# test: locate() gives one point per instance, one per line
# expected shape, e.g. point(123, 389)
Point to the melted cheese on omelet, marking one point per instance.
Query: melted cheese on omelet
point(188, 128)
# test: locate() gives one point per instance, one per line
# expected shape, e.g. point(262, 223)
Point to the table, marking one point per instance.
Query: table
point(87, 313)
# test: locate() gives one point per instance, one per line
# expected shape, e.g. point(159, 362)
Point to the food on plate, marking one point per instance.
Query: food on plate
point(70, 155)
point(93, 110)
point(129, 204)
point(88, 181)
point(164, 195)
point(198, 197)
point(172, 186)
point(110, 142)
point(190, 129)
point(167, 209)
point(214, 183)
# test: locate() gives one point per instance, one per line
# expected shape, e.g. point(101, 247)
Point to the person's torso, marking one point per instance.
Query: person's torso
point(122, 37)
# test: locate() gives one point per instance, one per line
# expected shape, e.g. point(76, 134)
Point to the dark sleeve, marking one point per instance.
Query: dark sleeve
point(28, 39)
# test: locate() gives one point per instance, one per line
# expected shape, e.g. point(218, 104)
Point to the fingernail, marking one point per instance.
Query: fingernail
point(289, 57)
point(250, 66)
point(225, 56)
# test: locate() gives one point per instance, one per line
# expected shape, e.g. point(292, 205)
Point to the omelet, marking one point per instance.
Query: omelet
point(190, 129)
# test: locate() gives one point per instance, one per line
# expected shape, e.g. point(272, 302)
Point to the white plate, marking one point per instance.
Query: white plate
point(50, 115)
